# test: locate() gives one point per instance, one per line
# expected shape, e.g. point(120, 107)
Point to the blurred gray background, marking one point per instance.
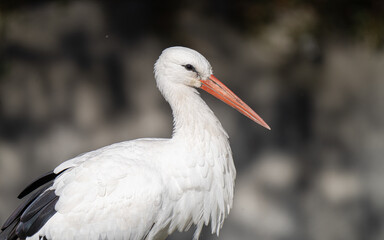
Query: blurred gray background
point(78, 75)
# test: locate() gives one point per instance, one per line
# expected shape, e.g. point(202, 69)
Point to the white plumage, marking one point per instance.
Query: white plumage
point(148, 188)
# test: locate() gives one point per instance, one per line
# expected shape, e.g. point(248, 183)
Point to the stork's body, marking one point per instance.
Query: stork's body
point(145, 188)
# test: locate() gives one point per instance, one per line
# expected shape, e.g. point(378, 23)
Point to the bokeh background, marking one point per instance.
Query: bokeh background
point(78, 75)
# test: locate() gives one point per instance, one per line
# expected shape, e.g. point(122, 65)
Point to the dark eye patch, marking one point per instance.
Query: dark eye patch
point(190, 67)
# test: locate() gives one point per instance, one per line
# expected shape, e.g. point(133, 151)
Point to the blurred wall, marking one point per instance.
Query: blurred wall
point(78, 75)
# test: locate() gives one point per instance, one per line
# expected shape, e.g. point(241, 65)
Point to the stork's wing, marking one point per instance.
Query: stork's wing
point(111, 193)
point(35, 211)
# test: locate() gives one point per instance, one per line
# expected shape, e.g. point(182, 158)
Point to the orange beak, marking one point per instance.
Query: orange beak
point(216, 88)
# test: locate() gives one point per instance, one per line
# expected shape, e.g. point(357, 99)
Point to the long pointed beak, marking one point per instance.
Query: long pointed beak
point(216, 88)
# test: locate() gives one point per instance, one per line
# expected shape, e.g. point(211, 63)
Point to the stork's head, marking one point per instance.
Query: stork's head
point(183, 66)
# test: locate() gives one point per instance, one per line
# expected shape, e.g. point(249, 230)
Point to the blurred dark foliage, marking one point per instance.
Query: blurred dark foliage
point(355, 18)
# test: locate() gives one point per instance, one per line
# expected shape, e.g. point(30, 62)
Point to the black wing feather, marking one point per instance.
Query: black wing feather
point(33, 213)
point(20, 209)
point(9, 233)
point(49, 176)
point(35, 222)
point(42, 201)
point(44, 215)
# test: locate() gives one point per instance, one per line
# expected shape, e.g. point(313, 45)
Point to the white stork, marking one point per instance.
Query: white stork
point(144, 188)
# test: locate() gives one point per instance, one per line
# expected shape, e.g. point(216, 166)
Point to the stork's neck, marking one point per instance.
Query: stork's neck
point(191, 115)
point(207, 155)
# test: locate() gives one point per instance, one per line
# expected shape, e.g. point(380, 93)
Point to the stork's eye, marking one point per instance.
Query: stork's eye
point(189, 67)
